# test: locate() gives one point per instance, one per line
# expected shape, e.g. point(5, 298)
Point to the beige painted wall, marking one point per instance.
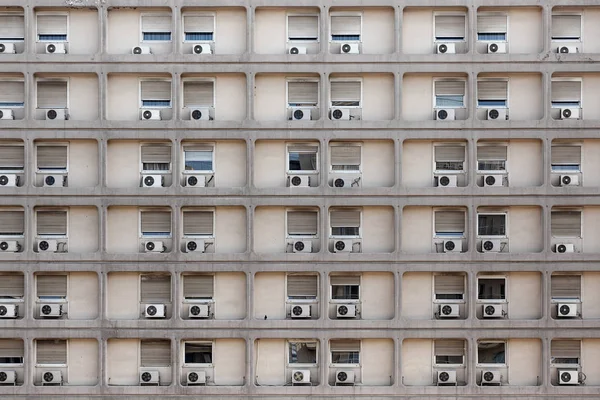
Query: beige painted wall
point(525, 166)
point(590, 355)
point(525, 30)
point(417, 229)
point(83, 163)
point(124, 31)
point(377, 95)
point(230, 31)
point(524, 295)
point(378, 158)
point(378, 297)
point(590, 162)
point(525, 229)
point(230, 295)
point(123, 163)
point(417, 294)
point(525, 96)
point(229, 361)
point(123, 295)
point(590, 100)
point(524, 362)
point(122, 358)
point(84, 32)
point(122, 231)
point(378, 31)
point(123, 97)
point(230, 229)
point(417, 362)
point(417, 163)
point(378, 230)
point(377, 360)
point(270, 359)
point(591, 30)
point(417, 97)
point(84, 297)
point(83, 361)
point(590, 283)
point(229, 96)
point(269, 163)
point(229, 173)
point(269, 295)
point(83, 229)
point(269, 230)
point(590, 224)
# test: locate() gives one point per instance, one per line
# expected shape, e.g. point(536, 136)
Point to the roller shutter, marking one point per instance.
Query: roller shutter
point(491, 23)
point(51, 351)
point(345, 91)
point(52, 157)
point(52, 94)
point(565, 349)
point(12, 285)
point(155, 288)
point(345, 155)
point(156, 90)
point(449, 26)
point(303, 92)
point(52, 25)
point(156, 23)
point(491, 153)
point(566, 223)
point(155, 353)
point(153, 222)
point(12, 222)
point(492, 90)
point(344, 345)
point(12, 157)
point(449, 221)
point(51, 285)
point(12, 91)
point(344, 280)
point(198, 223)
point(198, 93)
point(303, 27)
point(449, 284)
point(565, 286)
point(12, 348)
point(198, 286)
point(566, 91)
point(12, 27)
point(198, 23)
point(302, 222)
point(345, 25)
point(449, 153)
point(51, 222)
point(566, 155)
point(566, 26)
point(449, 347)
point(302, 286)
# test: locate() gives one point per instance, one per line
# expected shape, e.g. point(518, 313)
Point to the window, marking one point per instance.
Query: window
point(155, 93)
point(155, 288)
point(51, 287)
point(449, 352)
point(12, 223)
point(51, 223)
point(12, 93)
point(565, 351)
point(345, 222)
point(345, 351)
point(155, 353)
point(345, 157)
point(566, 93)
point(565, 287)
point(491, 224)
point(198, 28)
point(52, 158)
point(346, 28)
point(449, 158)
point(449, 223)
point(303, 28)
point(12, 28)
point(302, 158)
point(198, 353)
point(450, 27)
point(491, 352)
point(566, 27)
point(346, 93)
point(12, 286)
point(345, 287)
point(449, 93)
point(199, 158)
point(198, 223)
point(491, 27)
point(155, 223)
point(198, 93)
point(491, 158)
point(198, 287)
point(51, 352)
point(12, 158)
point(52, 28)
point(302, 287)
point(52, 94)
point(565, 224)
point(303, 93)
point(492, 93)
point(302, 352)
point(156, 157)
point(449, 287)
point(491, 288)
point(11, 351)
point(566, 158)
point(302, 223)
point(156, 28)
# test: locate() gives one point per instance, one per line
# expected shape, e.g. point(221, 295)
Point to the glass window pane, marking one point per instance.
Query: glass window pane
point(158, 36)
point(448, 359)
point(449, 165)
point(345, 292)
point(302, 161)
point(491, 289)
point(492, 225)
point(303, 353)
point(345, 231)
point(491, 353)
point(346, 38)
point(199, 36)
point(496, 37)
point(198, 161)
point(198, 353)
point(452, 101)
point(491, 165)
point(345, 357)
point(155, 166)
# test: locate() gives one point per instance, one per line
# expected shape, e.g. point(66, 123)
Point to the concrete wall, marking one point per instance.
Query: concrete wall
point(123, 101)
point(82, 96)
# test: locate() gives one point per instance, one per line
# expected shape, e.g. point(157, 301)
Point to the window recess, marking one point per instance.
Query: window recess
point(449, 158)
point(491, 289)
point(156, 157)
point(345, 158)
point(566, 158)
point(12, 351)
point(565, 287)
point(345, 223)
point(566, 94)
point(449, 223)
point(345, 351)
point(198, 93)
point(51, 352)
point(491, 224)
point(12, 223)
point(12, 158)
point(198, 353)
point(155, 353)
point(12, 28)
point(155, 288)
point(51, 287)
point(565, 352)
point(491, 158)
point(302, 353)
point(449, 287)
point(449, 352)
point(52, 158)
point(51, 223)
point(345, 287)
point(302, 158)
point(491, 352)
point(12, 286)
point(450, 94)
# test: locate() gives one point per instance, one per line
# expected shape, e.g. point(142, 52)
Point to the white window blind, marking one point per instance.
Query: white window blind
point(566, 223)
point(12, 285)
point(450, 88)
point(12, 91)
point(449, 221)
point(51, 222)
point(449, 347)
point(491, 153)
point(155, 222)
point(12, 222)
point(566, 155)
point(344, 280)
point(156, 23)
point(565, 349)
point(492, 90)
point(449, 153)
point(12, 27)
point(51, 351)
point(198, 286)
point(52, 24)
point(12, 157)
point(198, 93)
point(449, 284)
point(303, 27)
point(155, 353)
point(302, 222)
point(52, 157)
point(12, 348)
point(155, 288)
point(302, 286)
point(345, 25)
point(198, 223)
point(51, 285)
point(155, 154)
point(345, 155)
point(450, 26)
point(198, 23)
point(52, 94)
point(566, 91)
point(155, 90)
point(345, 91)
point(565, 286)
point(302, 92)
point(491, 23)
point(342, 219)
point(566, 26)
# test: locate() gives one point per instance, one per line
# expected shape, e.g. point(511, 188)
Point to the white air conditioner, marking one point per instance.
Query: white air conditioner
point(9, 180)
point(491, 245)
point(496, 48)
point(344, 377)
point(490, 376)
point(7, 48)
point(50, 310)
point(47, 246)
point(446, 377)
point(141, 50)
point(493, 180)
point(347, 181)
point(152, 180)
point(492, 311)
point(565, 248)
point(496, 114)
point(57, 114)
point(56, 48)
point(54, 180)
point(342, 246)
point(452, 246)
point(445, 114)
point(9, 246)
point(300, 311)
point(6, 113)
point(51, 377)
point(346, 311)
point(9, 310)
point(196, 378)
point(570, 113)
point(349, 48)
point(8, 377)
point(449, 311)
point(297, 50)
point(148, 114)
point(340, 114)
point(201, 48)
point(200, 114)
point(568, 377)
point(302, 246)
point(445, 48)
point(566, 310)
point(154, 310)
point(298, 114)
point(196, 245)
point(446, 180)
point(569, 180)
point(149, 377)
point(195, 180)
point(299, 181)
point(198, 311)
point(300, 376)
point(153, 246)
point(567, 49)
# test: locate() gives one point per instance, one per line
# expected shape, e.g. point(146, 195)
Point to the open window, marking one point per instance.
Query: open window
point(565, 223)
point(52, 94)
point(12, 28)
point(198, 28)
point(345, 352)
point(491, 352)
point(302, 352)
point(51, 352)
point(491, 224)
point(492, 158)
point(345, 222)
point(302, 28)
point(155, 353)
point(302, 223)
point(345, 287)
point(198, 287)
point(12, 93)
point(566, 93)
point(302, 159)
point(12, 352)
point(566, 27)
point(491, 288)
point(199, 159)
point(198, 353)
point(449, 158)
point(302, 287)
point(566, 158)
point(156, 28)
point(346, 28)
point(449, 352)
point(565, 352)
point(52, 27)
point(449, 93)
point(449, 27)
point(492, 93)
point(492, 27)
point(449, 287)
point(155, 223)
point(155, 93)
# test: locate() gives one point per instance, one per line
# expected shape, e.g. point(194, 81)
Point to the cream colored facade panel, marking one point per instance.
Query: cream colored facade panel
point(83, 295)
point(377, 295)
point(524, 361)
point(83, 361)
point(122, 358)
point(83, 229)
point(230, 295)
point(417, 295)
point(269, 295)
point(417, 362)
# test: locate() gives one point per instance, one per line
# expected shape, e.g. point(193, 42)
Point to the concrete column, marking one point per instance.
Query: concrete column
point(398, 21)
point(471, 372)
point(398, 228)
point(546, 215)
point(103, 217)
point(250, 148)
point(398, 149)
point(398, 77)
point(30, 29)
point(324, 30)
point(547, 160)
point(175, 219)
point(103, 95)
point(250, 17)
point(471, 28)
point(103, 25)
point(249, 295)
point(176, 37)
point(324, 167)
point(176, 87)
point(250, 82)
point(547, 28)
point(102, 157)
point(471, 102)
point(471, 162)
point(398, 277)
point(547, 89)
point(324, 96)
point(250, 229)
point(472, 224)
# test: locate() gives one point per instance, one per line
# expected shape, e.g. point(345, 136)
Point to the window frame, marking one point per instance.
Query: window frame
point(449, 171)
point(17, 79)
point(343, 365)
point(47, 236)
point(301, 209)
point(150, 79)
point(36, 364)
point(437, 301)
point(288, 145)
point(290, 364)
point(151, 209)
point(493, 171)
point(300, 41)
point(346, 14)
point(556, 105)
point(155, 172)
point(345, 301)
point(360, 226)
point(503, 277)
point(19, 14)
point(67, 80)
point(212, 145)
point(448, 365)
point(212, 210)
point(199, 342)
point(581, 157)
point(506, 105)
point(449, 79)
point(302, 80)
point(211, 79)
point(49, 13)
point(199, 14)
point(306, 300)
point(494, 13)
point(449, 235)
point(155, 14)
point(451, 14)
point(348, 79)
point(506, 226)
point(581, 27)
point(492, 365)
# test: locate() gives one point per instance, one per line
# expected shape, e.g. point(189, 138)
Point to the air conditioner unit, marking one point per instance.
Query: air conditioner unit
point(152, 180)
point(195, 180)
point(7, 113)
point(201, 48)
point(349, 48)
point(496, 48)
point(298, 114)
point(9, 310)
point(344, 377)
point(567, 49)
point(491, 245)
point(339, 114)
point(47, 246)
point(490, 376)
point(496, 114)
point(568, 377)
point(154, 247)
point(50, 310)
point(569, 180)
point(300, 311)
point(200, 114)
point(570, 113)
point(446, 48)
point(342, 246)
point(51, 377)
point(346, 311)
point(493, 180)
point(300, 376)
point(299, 181)
point(54, 180)
point(8, 377)
point(347, 181)
point(9, 180)
point(445, 114)
point(9, 246)
point(297, 50)
point(302, 246)
point(566, 310)
point(148, 114)
point(7, 48)
point(565, 248)
point(195, 245)
point(446, 180)
point(154, 310)
point(58, 114)
point(449, 311)
point(446, 377)
point(198, 311)
point(196, 378)
point(492, 311)
point(56, 48)
point(141, 50)
point(453, 246)
point(149, 378)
